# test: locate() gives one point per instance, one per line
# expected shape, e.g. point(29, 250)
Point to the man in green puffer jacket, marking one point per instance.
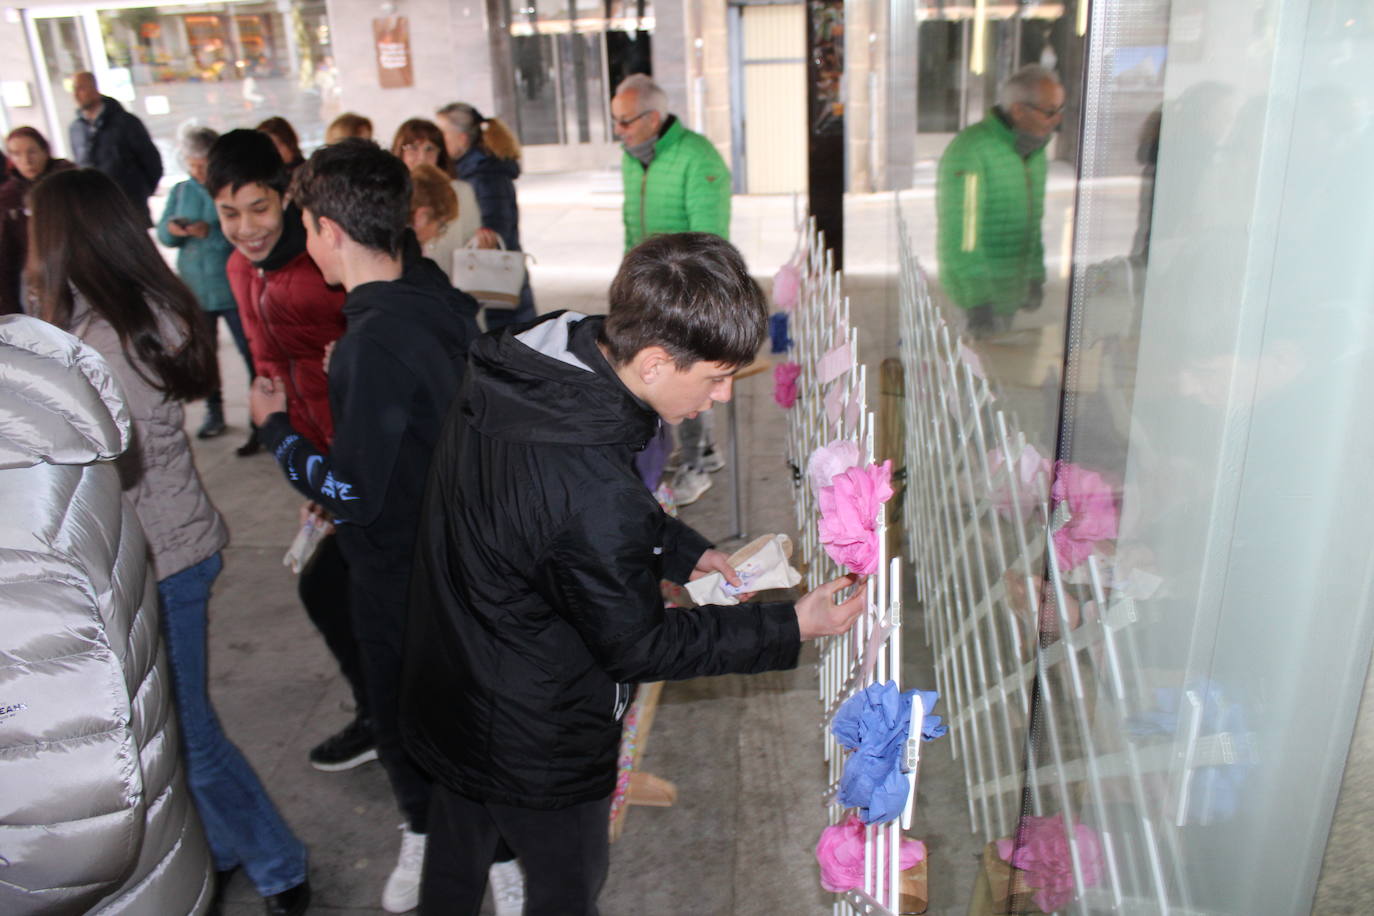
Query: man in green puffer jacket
point(675, 181)
point(990, 201)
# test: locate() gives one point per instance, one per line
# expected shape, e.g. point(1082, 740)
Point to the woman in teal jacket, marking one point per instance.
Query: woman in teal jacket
point(190, 224)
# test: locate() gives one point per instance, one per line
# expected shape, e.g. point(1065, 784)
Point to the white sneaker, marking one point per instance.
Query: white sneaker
point(402, 891)
point(712, 461)
point(689, 484)
point(507, 888)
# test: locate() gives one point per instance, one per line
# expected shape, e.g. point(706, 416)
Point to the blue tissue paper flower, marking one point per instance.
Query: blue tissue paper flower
point(874, 724)
point(778, 332)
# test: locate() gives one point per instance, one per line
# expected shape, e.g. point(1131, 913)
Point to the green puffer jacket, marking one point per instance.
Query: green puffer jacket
point(686, 188)
point(990, 202)
point(200, 262)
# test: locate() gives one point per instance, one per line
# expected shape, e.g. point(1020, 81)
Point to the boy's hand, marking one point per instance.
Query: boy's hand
point(266, 397)
point(715, 561)
point(818, 615)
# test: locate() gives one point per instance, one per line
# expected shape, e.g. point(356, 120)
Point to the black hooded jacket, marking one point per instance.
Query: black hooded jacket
point(535, 594)
point(393, 376)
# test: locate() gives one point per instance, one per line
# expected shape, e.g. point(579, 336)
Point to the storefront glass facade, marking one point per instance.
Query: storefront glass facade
point(567, 59)
point(221, 65)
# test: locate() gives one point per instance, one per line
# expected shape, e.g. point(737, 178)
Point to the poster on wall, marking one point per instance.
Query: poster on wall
point(391, 34)
point(827, 66)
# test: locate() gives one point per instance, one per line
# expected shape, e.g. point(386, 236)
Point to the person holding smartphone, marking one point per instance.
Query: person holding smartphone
point(190, 224)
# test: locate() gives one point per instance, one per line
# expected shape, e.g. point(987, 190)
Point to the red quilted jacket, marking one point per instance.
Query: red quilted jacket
point(289, 315)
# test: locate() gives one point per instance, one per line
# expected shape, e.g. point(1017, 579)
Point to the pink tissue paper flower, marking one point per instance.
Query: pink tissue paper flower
point(1092, 513)
point(785, 384)
point(849, 516)
point(1041, 850)
point(840, 851)
point(787, 286)
point(829, 460)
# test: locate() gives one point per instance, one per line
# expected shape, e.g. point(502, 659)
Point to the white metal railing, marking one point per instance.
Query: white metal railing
point(832, 404)
point(1038, 665)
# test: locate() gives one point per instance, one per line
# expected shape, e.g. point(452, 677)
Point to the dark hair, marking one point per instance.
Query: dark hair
point(360, 186)
point(285, 134)
point(88, 238)
point(42, 141)
point(243, 157)
point(689, 293)
point(421, 129)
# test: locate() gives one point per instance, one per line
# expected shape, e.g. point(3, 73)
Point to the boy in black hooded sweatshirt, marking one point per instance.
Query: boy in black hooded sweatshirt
point(535, 598)
point(392, 377)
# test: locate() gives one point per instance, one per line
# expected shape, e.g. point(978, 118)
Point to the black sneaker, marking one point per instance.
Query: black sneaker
point(213, 425)
point(251, 447)
point(351, 747)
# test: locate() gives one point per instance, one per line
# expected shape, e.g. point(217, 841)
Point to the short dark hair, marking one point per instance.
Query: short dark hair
point(360, 186)
point(281, 128)
point(689, 293)
point(243, 157)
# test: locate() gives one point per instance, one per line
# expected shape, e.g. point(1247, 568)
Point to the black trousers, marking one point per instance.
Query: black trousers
point(323, 588)
point(564, 852)
point(378, 603)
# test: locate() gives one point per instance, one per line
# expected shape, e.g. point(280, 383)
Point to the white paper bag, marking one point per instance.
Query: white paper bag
point(761, 564)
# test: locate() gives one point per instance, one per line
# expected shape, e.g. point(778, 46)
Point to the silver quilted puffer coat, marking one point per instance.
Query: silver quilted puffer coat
point(95, 815)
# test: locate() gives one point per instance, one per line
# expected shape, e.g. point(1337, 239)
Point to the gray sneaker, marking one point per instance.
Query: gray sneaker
point(689, 484)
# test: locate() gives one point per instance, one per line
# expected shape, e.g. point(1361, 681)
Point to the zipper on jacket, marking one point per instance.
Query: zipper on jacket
point(643, 190)
point(295, 393)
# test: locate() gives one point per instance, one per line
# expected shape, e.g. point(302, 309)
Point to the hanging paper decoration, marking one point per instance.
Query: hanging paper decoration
point(840, 852)
point(1041, 851)
point(874, 724)
point(787, 286)
point(778, 333)
point(830, 460)
point(785, 384)
point(849, 516)
point(1092, 513)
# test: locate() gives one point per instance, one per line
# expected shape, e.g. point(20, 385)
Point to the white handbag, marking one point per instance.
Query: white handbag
point(492, 276)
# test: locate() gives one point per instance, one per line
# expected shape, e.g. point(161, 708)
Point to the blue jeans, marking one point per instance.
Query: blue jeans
point(241, 823)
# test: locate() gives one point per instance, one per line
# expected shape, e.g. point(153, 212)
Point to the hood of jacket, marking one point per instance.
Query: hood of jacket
point(479, 162)
point(57, 422)
point(548, 383)
point(291, 243)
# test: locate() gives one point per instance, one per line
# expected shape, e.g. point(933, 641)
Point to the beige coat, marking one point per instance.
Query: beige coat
point(158, 472)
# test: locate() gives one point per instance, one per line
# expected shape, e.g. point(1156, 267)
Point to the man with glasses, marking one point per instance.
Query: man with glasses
point(675, 181)
point(990, 201)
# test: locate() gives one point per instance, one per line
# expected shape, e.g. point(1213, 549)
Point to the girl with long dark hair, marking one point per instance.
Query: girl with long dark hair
point(97, 274)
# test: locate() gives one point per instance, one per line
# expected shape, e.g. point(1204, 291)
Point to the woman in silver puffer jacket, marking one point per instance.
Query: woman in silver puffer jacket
point(94, 811)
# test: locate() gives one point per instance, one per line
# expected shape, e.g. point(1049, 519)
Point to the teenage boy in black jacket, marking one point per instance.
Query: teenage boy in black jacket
point(536, 603)
point(392, 377)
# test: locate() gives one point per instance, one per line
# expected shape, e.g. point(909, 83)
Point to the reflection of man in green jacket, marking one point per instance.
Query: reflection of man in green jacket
point(675, 181)
point(990, 199)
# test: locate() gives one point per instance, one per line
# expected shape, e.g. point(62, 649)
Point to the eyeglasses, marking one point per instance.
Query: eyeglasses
point(626, 122)
point(425, 147)
point(1047, 112)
